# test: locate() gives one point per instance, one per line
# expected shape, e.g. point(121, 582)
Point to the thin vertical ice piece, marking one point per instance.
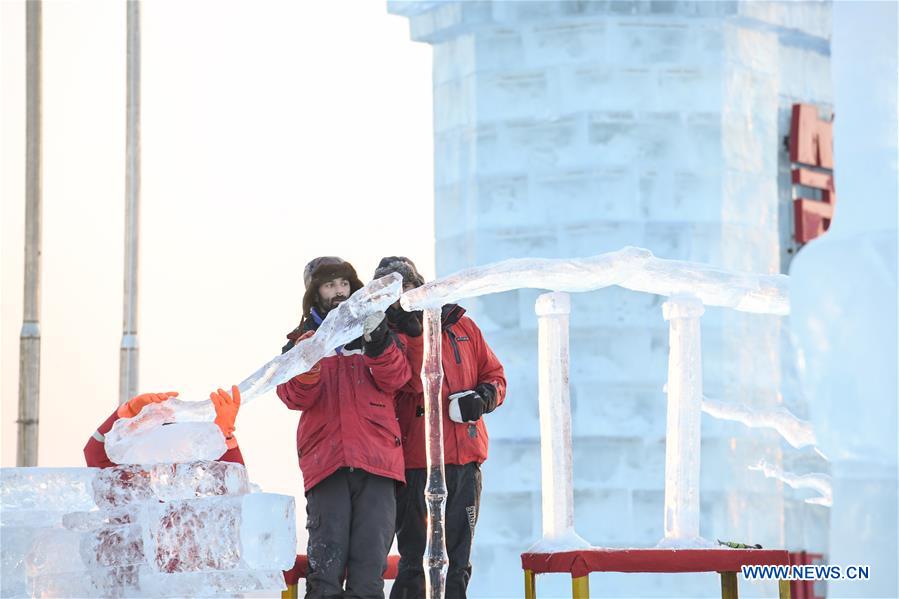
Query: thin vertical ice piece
point(553, 311)
point(683, 435)
point(435, 559)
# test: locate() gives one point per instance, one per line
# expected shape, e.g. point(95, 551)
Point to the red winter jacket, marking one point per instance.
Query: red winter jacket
point(95, 449)
point(467, 362)
point(348, 415)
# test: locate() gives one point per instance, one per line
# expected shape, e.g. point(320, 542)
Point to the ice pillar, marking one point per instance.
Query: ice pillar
point(684, 421)
point(555, 415)
point(435, 560)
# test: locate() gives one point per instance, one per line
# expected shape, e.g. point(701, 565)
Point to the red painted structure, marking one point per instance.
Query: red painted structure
point(301, 566)
point(811, 152)
point(583, 561)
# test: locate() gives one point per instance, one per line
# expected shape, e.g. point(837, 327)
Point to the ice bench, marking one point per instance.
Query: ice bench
point(581, 562)
point(301, 566)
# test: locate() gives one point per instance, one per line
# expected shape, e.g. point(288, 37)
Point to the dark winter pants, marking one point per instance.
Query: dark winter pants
point(350, 517)
point(463, 485)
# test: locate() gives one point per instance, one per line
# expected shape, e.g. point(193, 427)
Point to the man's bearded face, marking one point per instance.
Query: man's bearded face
point(331, 293)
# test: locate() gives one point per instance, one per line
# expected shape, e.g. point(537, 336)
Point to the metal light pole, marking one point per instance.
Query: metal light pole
point(128, 364)
point(30, 337)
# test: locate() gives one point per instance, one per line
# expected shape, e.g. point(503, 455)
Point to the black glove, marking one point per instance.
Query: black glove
point(408, 323)
point(481, 400)
point(377, 340)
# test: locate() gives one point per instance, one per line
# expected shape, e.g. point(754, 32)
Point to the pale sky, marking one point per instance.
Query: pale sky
point(272, 132)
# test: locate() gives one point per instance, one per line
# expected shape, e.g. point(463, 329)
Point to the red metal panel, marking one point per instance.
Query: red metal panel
point(815, 179)
point(811, 139)
point(812, 218)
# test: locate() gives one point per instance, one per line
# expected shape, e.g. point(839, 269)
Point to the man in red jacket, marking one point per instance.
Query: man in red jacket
point(348, 441)
point(226, 407)
point(474, 377)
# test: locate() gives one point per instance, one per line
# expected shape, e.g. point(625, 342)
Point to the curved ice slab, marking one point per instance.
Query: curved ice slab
point(576, 274)
point(145, 439)
point(127, 484)
point(341, 326)
point(631, 268)
point(795, 431)
point(746, 292)
point(821, 483)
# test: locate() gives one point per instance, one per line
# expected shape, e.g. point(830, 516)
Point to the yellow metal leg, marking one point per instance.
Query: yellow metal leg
point(783, 586)
point(530, 585)
point(729, 585)
point(580, 587)
point(290, 592)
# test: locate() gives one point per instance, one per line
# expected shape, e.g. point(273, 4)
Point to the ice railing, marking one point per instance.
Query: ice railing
point(690, 286)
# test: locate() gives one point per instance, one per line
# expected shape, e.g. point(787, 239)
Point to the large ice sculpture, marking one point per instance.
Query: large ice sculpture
point(145, 439)
point(844, 302)
point(630, 267)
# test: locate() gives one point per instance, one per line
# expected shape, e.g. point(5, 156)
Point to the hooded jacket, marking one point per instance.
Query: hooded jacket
point(467, 362)
point(348, 419)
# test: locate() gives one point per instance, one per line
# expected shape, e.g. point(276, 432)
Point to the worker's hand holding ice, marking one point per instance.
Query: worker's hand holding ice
point(133, 406)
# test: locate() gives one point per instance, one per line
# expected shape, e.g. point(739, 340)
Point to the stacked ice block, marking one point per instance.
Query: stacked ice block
point(190, 529)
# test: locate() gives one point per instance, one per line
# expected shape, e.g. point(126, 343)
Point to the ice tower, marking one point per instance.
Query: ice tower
point(567, 129)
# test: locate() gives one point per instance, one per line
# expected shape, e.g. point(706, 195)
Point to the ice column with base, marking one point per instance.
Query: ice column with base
point(435, 560)
point(555, 425)
point(683, 433)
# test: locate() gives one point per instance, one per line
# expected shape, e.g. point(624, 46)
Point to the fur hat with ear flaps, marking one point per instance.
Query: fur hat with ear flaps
point(401, 265)
point(321, 270)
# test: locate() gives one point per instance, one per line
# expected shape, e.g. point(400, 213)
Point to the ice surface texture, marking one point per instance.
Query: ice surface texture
point(631, 268)
point(129, 483)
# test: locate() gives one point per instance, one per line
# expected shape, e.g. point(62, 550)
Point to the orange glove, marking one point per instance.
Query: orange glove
point(133, 406)
point(311, 376)
point(226, 407)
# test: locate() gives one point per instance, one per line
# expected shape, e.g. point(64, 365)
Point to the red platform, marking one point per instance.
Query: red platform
point(301, 566)
point(581, 562)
